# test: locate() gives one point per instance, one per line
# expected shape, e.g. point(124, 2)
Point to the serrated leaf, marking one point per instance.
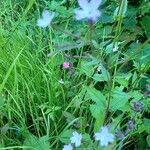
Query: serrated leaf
point(35, 143)
point(98, 115)
point(64, 137)
point(88, 67)
point(97, 109)
point(97, 97)
point(123, 79)
point(119, 100)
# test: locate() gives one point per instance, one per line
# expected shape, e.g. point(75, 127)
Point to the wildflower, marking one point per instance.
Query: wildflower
point(46, 19)
point(115, 48)
point(119, 135)
point(76, 139)
point(130, 126)
point(66, 65)
point(147, 92)
point(88, 10)
point(104, 136)
point(68, 147)
point(61, 81)
point(138, 106)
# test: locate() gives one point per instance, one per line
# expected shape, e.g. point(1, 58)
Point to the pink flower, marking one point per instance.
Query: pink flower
point(66, 65)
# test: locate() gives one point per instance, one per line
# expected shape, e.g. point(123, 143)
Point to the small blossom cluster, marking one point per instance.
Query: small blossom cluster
point(88, 10)
point(75, 139)
point(104, 137)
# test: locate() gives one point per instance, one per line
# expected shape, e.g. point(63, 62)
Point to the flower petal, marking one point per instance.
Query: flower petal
point(76, 139)
point(94, 15)
point(80, 14)
point(95, 3)
point(46, 19)
point(42, 23)
point(83, 4)
point(68, 147)
point(104, 136)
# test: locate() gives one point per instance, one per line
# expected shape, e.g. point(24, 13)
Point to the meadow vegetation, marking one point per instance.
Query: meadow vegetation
point(82, 82)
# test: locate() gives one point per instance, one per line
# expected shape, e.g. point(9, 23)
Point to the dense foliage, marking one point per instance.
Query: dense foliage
point(74, 75)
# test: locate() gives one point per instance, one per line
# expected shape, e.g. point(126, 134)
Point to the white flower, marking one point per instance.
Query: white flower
point(67, 147)
point(115, 48)
point(46, 19)
point(76, 139)
point(88, 10)
point(104, 136)
point(61, 81)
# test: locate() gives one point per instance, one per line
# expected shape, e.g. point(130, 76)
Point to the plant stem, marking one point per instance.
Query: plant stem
point(90, 31)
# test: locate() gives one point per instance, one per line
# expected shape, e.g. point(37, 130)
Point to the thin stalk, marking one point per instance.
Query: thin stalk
point(112, 81)
point(90, 31)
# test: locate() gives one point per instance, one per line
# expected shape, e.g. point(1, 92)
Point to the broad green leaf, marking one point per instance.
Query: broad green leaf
point(35, 143)
point(135, 94)
point(119, 100)
point(146, 123)
point(103, 75)
point(64, 137)
point(148, 140)
point(97, 97)
point(88, 67)
point(106, 18)
point(98, 114)
point(97, 109)
point(99, 77)
point(123, 79)
point(146, 25)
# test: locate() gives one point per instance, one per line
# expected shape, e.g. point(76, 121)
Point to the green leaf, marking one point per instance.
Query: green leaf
point(103, 76)
point(148, 140)
point(119, 100)
point(98, 114)
point(146, 123)
point(123, 79)
point(97, 109)
point(88, 67)
point(146, 25)
point(64, 137)
point(135, 94)
point(97, 97)
point(35, 143)
point(106, 19)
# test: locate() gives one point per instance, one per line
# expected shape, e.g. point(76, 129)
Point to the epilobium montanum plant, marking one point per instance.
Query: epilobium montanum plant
point(102, 80)
point(88, 10)
point(46, 19)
